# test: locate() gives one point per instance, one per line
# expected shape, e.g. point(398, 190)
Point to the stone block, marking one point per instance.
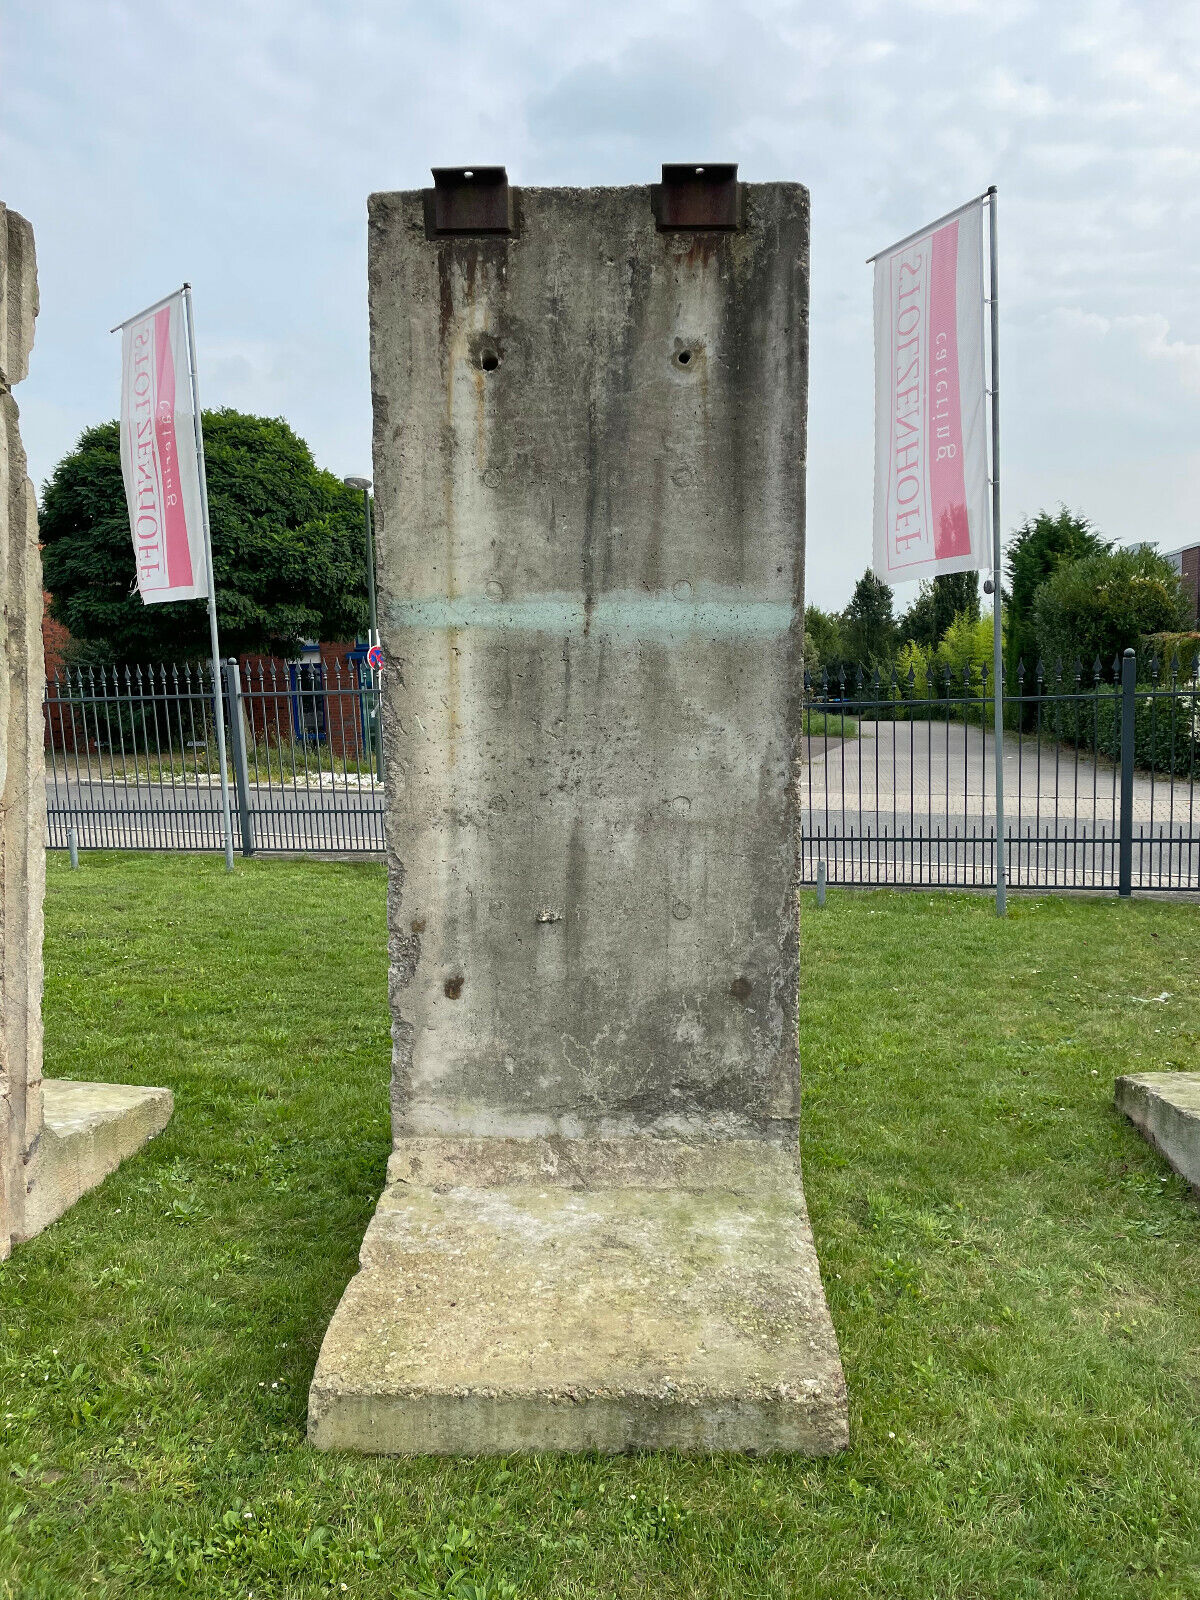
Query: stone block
point(88, 1129)
point(609, 1317)
point(1165, 1107)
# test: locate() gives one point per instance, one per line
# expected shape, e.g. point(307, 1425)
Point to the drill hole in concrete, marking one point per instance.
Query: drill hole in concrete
point(684, 357)
point(489, 361)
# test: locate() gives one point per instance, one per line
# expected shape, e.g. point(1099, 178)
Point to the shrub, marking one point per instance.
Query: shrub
point(1166, 730)
point(1037, 550)
point(1178, 651)
point(913, 663)
point(946, 677)
point(1103, 605)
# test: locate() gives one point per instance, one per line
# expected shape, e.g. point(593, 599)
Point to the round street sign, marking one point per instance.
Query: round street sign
point(375, 657)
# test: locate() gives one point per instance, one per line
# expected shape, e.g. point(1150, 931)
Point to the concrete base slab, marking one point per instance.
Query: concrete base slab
point(89, 1129)
point(541, 1316)
point(1165, 1106)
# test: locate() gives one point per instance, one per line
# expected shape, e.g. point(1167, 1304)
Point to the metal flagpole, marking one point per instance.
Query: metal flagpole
point(997, 642)
point(217, 678)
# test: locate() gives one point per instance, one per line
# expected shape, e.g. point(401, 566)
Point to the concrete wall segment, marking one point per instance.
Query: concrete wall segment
point(589, 447)
point(22, 780)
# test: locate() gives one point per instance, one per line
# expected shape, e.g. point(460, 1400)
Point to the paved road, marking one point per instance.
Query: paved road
point(336, 818)
point(915, 802)
point(909, 764)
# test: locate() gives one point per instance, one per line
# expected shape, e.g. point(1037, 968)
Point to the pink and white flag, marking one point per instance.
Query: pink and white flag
point(931, 471)
point(158, 456)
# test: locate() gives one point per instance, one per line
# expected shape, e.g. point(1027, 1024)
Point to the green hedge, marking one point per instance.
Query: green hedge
point(1166, 729)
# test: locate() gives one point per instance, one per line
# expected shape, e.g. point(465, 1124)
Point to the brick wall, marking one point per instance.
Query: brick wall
point(1190, 573)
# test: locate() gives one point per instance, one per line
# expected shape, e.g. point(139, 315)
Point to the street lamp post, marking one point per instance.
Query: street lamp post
point(365, 485)
point(373, 619)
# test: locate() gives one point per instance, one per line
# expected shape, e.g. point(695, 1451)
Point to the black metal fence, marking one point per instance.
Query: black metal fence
point(898, 784)
point(1099, 778)
point(131, 758)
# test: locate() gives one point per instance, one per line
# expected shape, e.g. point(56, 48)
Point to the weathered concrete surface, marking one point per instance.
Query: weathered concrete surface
point(541, 1316)
point(589, 477)
point(22, 779)
point(591, 566)
point(45, 1162)
point(87, 1131)
point(1165, 1107)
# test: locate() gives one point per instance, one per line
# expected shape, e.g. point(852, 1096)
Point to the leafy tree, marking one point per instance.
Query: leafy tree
point(1038, 548)
point(288, 552)
point(1103, 605)
point(823, 645)
point(954, 672)
point(868, 623)
point(950, 595)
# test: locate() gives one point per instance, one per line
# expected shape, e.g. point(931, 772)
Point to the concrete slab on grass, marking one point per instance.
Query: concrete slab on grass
point(541, 1316)
point(89, 1129)
point(1165, 1107)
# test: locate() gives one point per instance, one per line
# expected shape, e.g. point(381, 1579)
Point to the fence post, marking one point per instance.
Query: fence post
point(1128, 710)
point(237, 750)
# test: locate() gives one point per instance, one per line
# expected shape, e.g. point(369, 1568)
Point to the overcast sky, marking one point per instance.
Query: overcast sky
point(235, 145)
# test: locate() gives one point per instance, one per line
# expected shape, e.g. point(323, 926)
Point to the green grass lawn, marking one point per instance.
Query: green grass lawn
point(1014, 1275)
point(829, 725)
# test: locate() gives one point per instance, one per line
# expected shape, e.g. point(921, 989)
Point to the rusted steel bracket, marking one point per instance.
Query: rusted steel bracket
point(469, 200)
point(706, 196)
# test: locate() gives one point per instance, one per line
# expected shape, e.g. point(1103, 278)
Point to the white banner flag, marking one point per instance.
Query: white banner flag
point(931, 473)
point(158, 456)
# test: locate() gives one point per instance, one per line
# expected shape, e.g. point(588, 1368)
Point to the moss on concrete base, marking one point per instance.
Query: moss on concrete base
point(538, 1317)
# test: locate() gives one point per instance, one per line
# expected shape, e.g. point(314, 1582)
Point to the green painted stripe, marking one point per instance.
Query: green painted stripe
point(632, 617)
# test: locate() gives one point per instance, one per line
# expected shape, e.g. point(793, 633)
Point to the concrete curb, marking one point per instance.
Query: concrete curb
point(89, 1129)
point(1165, 1108)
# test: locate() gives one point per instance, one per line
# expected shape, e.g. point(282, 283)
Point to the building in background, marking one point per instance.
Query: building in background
point(1186, 561)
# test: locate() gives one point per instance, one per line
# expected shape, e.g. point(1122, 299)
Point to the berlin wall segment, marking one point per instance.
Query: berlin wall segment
point(57, 1139)
point(22, 871)
point(589, 465)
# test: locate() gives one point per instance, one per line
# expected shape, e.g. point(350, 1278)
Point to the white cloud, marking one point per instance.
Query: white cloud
point(245, 164)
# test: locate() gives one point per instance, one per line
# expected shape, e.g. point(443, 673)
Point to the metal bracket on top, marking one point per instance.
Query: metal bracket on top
point(697, 197)
point(469, 200)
